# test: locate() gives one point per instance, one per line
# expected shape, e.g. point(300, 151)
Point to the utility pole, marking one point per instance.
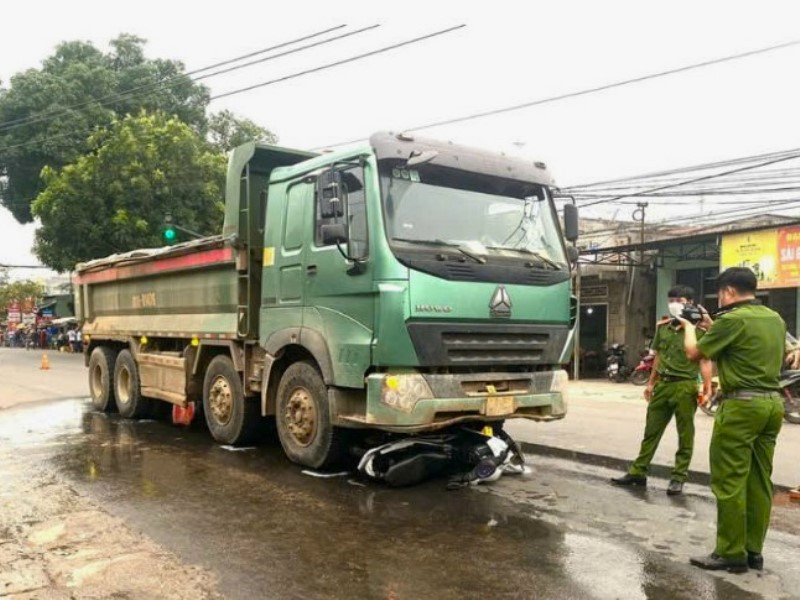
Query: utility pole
point(576, 340)
point(641, 206)
point(638, 215)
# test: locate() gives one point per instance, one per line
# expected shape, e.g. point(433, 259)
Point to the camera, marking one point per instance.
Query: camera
point(692, 314)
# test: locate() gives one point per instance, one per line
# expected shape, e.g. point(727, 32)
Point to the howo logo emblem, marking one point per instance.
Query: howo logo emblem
point(500, 304)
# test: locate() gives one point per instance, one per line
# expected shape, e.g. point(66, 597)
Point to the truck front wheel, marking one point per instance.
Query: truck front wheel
point(231, 418)
point(101, 370)
point(127, 389)
point(303, 418)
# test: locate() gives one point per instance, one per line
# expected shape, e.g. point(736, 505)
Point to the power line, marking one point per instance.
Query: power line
point(338, 62)
point(23, 267)
point(777, 175)
point(694, 180)
point(687, 169)
point(786, 204)
point(146, 88)
point(271, 82)
point(587, 91)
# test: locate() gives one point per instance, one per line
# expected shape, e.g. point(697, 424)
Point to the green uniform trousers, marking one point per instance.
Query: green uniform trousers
point(742, 447)
point(678, 398)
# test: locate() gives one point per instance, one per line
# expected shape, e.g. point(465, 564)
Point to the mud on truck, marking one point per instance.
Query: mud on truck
point(404, 285)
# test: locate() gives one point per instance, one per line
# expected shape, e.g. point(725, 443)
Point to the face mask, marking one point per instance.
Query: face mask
point(675, 308)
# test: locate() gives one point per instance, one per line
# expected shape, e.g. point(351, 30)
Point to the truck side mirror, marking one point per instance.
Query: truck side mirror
point(332, 195)
point(333, 233)
point(571, 222)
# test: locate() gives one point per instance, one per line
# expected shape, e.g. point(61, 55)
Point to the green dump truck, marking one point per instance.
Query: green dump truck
point(404, 285)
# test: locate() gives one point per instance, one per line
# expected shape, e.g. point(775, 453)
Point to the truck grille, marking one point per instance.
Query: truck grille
point(480, 347)
point(485, 344)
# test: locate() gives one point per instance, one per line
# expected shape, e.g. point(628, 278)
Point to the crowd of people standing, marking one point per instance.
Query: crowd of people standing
point(51, 337)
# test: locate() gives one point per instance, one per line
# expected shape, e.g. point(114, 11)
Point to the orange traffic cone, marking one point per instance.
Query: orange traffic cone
point(45, 362)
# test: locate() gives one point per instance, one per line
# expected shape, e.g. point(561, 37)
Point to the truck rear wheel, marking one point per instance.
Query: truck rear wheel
point(127, 389)
point(303, 418)
point(231, 418)
point(101, 370)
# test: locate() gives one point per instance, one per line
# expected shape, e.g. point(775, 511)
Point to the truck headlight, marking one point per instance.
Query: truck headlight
point(560, 384)
point(403, 391)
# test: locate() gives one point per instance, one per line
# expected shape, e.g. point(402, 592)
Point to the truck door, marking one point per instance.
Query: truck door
point(292, 244)
point(339, 295)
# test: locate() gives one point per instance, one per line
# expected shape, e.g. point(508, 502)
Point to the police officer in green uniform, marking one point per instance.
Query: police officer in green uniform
point(671, 391)
point(747, 342)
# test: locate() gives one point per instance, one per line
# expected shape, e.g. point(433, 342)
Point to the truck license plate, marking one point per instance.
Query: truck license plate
point(499, 405)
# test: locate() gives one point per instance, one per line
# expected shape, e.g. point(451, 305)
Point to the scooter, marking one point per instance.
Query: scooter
point(790, 389)
point(616, 368)
point(641, 373)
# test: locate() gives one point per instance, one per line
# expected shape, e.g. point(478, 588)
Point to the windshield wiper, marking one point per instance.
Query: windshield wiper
point(467, 253)
point(541, 257)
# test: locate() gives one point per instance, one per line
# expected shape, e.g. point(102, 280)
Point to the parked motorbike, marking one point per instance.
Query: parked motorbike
point(790, 389)
point(641, 373)
point(616, 368)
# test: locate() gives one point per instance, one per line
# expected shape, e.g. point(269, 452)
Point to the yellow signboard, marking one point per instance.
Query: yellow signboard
point(773, 255)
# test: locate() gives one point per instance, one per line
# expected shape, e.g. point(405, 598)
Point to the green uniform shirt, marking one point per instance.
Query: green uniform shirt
point(672, 359)
point(747, 344)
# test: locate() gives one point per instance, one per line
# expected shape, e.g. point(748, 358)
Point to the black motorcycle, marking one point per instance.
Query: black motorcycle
point(617, 369)
point(790, 389)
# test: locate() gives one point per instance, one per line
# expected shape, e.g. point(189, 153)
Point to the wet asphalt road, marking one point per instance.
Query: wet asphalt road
point(268, 531)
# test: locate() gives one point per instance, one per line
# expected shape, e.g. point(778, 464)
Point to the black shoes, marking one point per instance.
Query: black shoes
point(713, 562)
point(755, 561)
point(630, 480)
point(674, 488)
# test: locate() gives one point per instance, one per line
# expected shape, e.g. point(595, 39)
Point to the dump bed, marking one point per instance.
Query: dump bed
point(183, 291)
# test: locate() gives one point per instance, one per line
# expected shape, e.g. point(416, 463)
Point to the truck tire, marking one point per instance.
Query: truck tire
point(127, 389)
point(231, 418)
point(101, 372)
point(303, 418)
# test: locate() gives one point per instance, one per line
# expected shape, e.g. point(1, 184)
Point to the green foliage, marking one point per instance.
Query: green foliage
point(226, 131)
point(80, 75)
point(18, 291)
point(114, 198)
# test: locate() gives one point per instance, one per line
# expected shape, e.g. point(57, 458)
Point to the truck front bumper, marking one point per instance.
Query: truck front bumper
point(414, 402)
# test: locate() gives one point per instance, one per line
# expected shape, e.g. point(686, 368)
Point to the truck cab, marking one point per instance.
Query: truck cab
point(428, 284)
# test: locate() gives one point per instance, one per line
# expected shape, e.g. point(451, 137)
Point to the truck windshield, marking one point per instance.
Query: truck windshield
point(477, 214)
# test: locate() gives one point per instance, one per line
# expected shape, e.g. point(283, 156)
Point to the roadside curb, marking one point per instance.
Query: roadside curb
point(612, 462)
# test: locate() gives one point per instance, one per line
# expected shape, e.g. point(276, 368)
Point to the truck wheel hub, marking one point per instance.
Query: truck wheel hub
point(301, 416)
point(124, 386)
point(97, 381)
point(221, 400)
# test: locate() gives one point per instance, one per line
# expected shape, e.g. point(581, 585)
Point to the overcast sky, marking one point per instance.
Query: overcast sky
point(508, 53)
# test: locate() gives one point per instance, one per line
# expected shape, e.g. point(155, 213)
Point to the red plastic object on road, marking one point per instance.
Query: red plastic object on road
point(181, 415)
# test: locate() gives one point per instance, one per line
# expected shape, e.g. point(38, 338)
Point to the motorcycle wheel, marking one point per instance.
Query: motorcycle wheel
point(640, 377)
point(791, 407)
point(712, 406)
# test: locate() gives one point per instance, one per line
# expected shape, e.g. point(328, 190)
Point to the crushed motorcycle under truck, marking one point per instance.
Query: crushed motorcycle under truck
point(403, 285)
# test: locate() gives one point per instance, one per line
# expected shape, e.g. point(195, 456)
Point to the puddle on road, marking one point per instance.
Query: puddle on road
point(270, 531)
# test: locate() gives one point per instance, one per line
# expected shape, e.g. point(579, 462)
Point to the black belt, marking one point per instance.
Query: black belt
point(673, 378)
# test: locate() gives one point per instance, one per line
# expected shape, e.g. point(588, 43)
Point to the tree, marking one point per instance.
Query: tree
point(114, 198)
point(17, 291)
point(226, 131)
point(46, 114)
